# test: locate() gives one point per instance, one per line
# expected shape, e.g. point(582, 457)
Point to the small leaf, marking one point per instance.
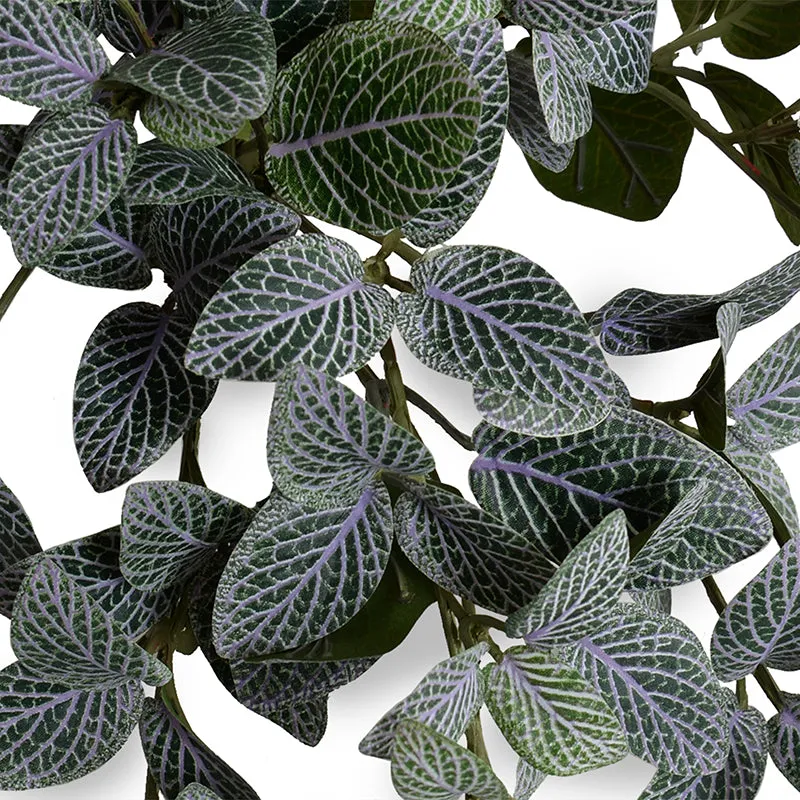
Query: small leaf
point(301, 301)
point(446, 700)
point(441, 16)
point(693, 13)
point(17, 538)
point(550, 715)
point(567, 16)
point(529, 779)
point(766, 30)
point(196, 791)
point(325, 443)
point(306, 722)
point(783, 731)
point(12, 137)
point(185, 127)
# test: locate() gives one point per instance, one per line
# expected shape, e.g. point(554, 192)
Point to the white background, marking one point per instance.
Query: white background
point(718, 230)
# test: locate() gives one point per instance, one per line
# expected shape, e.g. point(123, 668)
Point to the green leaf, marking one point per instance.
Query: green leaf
point(769, 28)
point(693, 13)
point(350, 104)
point(196, 791)
point(567, 16)
point(529, 779)
point(441, 16)
point(187, 127)
point(550, 715)
point(12, 137)
point(17, 538)
point(783, 731)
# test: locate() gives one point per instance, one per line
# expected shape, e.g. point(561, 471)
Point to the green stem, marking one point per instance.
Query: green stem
point(13, 288)
point(408, 253)
point(262, 140)
point(151, 788)
point(190, 465)
point(741, 694)
point(138, 23)
point(416, 399)
point(449, 627)
point(399, 284)
point(397, 389)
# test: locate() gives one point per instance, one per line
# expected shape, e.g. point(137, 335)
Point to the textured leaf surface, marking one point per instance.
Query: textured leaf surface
point(494, 318)
point(51, 733)
point(324, 443)
point(439, 16)
point(768, 29)
point(300, 301)
point(468, 551)
point(567, 16)
point(446, 699)
point(550, 715)
point(429, 766)
point(70, 168)
point(299, 574)
point(48, 58)
point(364, 108)
point(185, 127)
point(657, 601)
point(783, 731)
point(17, 538)
point(12, 138)
point(529, 779)
point(112, 21)
point(133, 396)
point(306, 722)
point(583, 593)
point(560, 488)
point(196, 791)
point(653, 672)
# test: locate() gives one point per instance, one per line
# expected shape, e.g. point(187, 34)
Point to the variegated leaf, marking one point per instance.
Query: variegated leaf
point(196, 791)
point(185, 127)
point(656, 601)
point(783, 732)
point(12, 137)
point(306, 721)
point(567, 16)
point(529, 779)
point(441, 16)
point(17, 538)
point(121, 33)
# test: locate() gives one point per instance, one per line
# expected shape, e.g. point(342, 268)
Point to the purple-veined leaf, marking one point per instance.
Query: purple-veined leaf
point(196, 791)
point(59, 633)
point(567, 16)
point(185, 127)
point(550, 714)
point(656, 601)
point(300, 573)
point(654, 674)
point(429, 766)
point(52, 733)
point(48, 58)
point(17, 538)
point(560, 488)
point(300, 301)
point(496, 319)
point(177, 758)
point(205, 8)
point(324, 443)
point(306, 721)
point(117, 27)
point(170, 528)
point(12, 137)
point(68, 171)
point(783, 732)
point(441, 16)
point(480, 47)
point(201, 243)
point(133, 396)
point(446, 699)
point(794, 158)
point(529, 779)
point(467, 550)
point(640, 321)
point(583, 593)
point(364, 108)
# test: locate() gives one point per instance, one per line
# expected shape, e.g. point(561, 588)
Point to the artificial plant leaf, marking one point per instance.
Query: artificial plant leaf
point(468, 551)
point(693, 13)
point(438, 15)
point(783, 731)
point(550, 715)
point(306, 721)
point(122, 34)
point(301, 301)
point(325, 444)
point(657, 601)
point(169, 528)
point(48, 58)
point(177, 758)
point(63, 636)
point(196, 791)
point(298, 573)
point(529, 779)
point(766, 29)
point(583, 593)
point(567, 16)
point(51, 733)
point(480, 47)
point(363, 108)
point(629, 163)
point(654, 674)
point(12, 137)
point(446, 700)
point(199, 244)
point(429, 766)
point(185, 127)
point(17, 538)
point(560, 488)
point(496, 319)
point(133, 396)
point(69, 170)
point(205, 8)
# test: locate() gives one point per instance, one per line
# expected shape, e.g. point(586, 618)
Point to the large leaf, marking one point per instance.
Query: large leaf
point(301, 301)
point(185, 127)
point(299, 574)
point(467, 551)
point(769, 28)
point(567, 16)
point(69, 170)
point(446, 699)
point(170, 528)
point(550, 715)
point(12, 137)
point(583, 593)
point(693, 13)
point(350, 105)
point(62, 635)
point(48, 58)
point(495, 318)
point(133, 396)
point(324, 443)
point(783, 731)
point(121, 33)
point(653, 672)
point(52, 733)
point(560, 488)
point(17, 538)
point(438, 15)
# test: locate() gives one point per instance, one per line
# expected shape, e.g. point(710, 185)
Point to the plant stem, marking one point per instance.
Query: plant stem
point(399, 284)
point(151, 788)
point(408, 253)
point(416, 399)
point(451, 636)
point(741, 694)
point(13, 288)
point(262, 140)
point(190, 465)
point(138, 23)
point(397, 389)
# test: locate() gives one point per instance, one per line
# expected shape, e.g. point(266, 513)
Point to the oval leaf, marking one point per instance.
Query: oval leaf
point(17, 538)
point(12, 137)
point(567, 16)
point(441, 16)
point(184, 127)
point(196, 791)
point(783, 731)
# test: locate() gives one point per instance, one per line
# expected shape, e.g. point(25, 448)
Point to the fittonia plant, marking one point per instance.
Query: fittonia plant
point(386, 118)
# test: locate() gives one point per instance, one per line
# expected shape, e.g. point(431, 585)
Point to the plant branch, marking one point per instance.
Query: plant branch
point(461, 438)
point(398, 403)
point(151, 787)
point(190, 465)
point(408, 253)
point(138, 23)
point(13, 288)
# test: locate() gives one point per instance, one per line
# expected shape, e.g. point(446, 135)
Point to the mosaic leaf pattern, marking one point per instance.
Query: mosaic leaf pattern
point(133, 396)
point(560, 488)
point(17, 538)
point(529, 779)
point(783, 731)
point(12, 138)
point(196, 791)
point(306, 722)
point(363, 108)
point(498, 320)
point(299, 574)
point(48, 58)
point(550, 715)
point(567, 16)
point(446, 700)
point(170, 528)
point(301, 301)
point(184, 127)
point(70, 168)
point(326, 444)
point(583, 593)
point(115, 25)
point(439, 16)
point(467, 551)
point(654, 674)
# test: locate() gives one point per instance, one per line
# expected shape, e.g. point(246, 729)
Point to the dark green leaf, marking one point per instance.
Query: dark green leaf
point(784, 739)
point(17, 538)
point(769, 28)
point(693, 13)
